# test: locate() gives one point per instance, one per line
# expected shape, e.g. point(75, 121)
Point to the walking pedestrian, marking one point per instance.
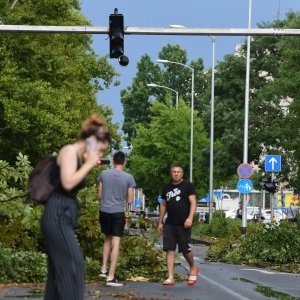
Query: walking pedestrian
point(179, 202)
point(115, 190)
point(66, 269)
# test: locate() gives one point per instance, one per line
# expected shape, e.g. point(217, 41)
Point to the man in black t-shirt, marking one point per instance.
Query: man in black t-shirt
point(179, 202)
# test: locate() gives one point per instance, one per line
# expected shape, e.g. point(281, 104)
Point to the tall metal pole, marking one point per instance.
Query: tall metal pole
point(246, 124)
point(176, 101)
point(192, 128)
point(212, 109)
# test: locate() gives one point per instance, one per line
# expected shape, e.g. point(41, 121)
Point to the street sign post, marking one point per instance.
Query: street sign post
point(244, 186)
point(273, 163)
point(245, 170)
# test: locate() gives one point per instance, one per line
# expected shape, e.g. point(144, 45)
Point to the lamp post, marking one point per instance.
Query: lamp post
point(165, 87)
point(212, 109)
point(164, 61)
point(246, 121)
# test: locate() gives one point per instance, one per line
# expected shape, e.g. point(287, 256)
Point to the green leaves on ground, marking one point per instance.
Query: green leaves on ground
point(22, 247)
point(265, 245)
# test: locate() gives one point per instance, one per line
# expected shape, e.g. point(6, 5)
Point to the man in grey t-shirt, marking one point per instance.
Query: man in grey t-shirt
point(115, 190)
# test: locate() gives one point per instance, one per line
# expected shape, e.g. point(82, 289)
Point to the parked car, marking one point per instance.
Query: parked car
point(266, 215)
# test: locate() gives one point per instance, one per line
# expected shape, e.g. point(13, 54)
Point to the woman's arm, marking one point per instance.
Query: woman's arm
point(67, 160)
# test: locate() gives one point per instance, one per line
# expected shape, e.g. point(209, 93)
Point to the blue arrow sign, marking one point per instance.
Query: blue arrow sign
point(244, 186)
point(273, 163)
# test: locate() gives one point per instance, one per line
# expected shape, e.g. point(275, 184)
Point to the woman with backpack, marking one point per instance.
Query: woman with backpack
point(66, 268)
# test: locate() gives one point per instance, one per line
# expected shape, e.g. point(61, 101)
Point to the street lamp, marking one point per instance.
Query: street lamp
point(212, 108)
point(164, 61)
point(246, 121)
point(165, 87)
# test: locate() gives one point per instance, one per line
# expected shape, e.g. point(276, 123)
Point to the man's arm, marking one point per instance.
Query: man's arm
point(130, 195)
point(100, 191)
point(162, 213)
point(189, 221)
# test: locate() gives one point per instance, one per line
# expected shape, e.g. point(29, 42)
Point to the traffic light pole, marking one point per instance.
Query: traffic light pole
point(153, 31)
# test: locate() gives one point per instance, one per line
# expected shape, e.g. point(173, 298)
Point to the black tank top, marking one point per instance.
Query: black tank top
point(72, 193)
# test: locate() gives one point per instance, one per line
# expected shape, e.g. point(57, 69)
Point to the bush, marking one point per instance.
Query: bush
point(218, 250)
point(270, 245)
point(219, 214)
point(20, 229)
point(219, 227)
point(22, 266)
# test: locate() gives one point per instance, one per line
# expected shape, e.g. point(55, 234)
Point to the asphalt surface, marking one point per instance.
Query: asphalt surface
point(216, 281)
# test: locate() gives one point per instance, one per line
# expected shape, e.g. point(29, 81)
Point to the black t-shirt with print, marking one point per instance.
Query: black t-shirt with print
point(178, 204)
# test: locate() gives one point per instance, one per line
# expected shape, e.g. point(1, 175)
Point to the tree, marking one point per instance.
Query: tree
point(164, 142)
point(265, 114)
point(48, 82)
point(137, 97)
point(288, 87)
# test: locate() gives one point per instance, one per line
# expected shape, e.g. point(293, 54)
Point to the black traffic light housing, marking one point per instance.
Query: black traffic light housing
point(269, 185)
point(116, 38)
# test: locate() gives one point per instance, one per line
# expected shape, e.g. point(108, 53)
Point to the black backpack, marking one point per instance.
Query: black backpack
point(43, 179)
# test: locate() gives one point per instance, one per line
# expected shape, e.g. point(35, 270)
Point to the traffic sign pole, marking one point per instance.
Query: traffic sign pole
point(272, 200)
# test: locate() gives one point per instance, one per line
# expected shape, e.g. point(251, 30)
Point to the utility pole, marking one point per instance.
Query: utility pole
point(246, 123)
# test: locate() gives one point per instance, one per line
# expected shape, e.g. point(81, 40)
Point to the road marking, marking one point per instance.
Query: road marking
point(226, 289)
point(269, 272)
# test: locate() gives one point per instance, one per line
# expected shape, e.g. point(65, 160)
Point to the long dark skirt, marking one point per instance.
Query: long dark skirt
point(66, 268)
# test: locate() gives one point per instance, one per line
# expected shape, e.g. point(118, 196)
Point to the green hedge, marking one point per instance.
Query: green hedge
point(274, 245)
point(22, 266)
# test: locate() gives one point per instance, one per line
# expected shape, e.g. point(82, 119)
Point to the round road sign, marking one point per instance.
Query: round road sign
point(245, 170)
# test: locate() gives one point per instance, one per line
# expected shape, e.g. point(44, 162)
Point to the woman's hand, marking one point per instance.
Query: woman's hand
point(92, 151)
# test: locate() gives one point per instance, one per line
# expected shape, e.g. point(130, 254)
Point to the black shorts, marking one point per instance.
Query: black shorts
point(112, 223)
point(176, 234)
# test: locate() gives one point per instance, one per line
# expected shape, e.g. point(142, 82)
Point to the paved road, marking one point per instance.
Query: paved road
point(216, 281)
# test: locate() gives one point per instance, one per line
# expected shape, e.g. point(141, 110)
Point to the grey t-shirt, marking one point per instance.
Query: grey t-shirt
point(115, 185)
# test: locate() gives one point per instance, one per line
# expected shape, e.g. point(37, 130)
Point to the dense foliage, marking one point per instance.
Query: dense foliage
point(274, 101)
point(265, 245)
point(165, 141)
point(49, 82)
point(22, 248)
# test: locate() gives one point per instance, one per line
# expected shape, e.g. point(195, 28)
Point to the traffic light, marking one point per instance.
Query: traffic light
point(103, 162)
point(269, 185)
point(116, 38)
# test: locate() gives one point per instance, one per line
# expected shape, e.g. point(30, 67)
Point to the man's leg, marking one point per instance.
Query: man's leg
point(184, 236)
point(170, 264)
point(114, 256)
point(190, 259)
point(106, 251)
point(169, 246)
